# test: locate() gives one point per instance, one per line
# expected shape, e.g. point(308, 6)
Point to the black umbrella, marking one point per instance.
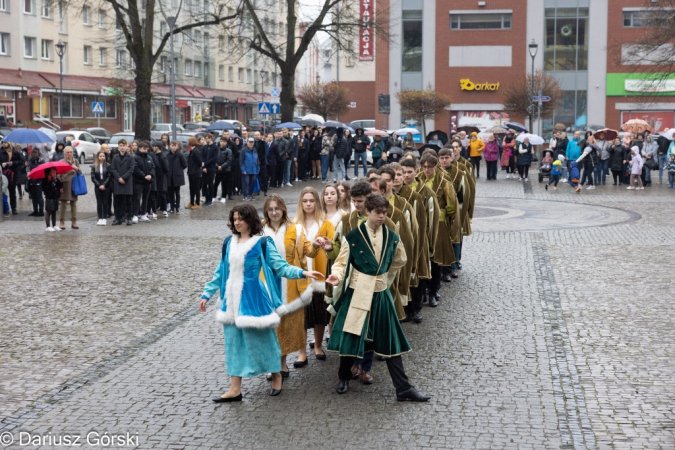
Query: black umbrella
point(311, 122)
point(336, 124)
point(433, 147)
point(468, 129)
point(442, 136)
point(517, 127)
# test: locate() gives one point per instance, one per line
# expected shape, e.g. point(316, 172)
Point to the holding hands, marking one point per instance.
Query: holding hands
point(323, 242)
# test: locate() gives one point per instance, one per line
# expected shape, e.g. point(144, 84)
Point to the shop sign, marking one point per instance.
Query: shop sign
point(242, 99)
point(640, 84)
point(467, 85)
point(34, 92)
point(366, 30)
point(181, 103)
point(649, 85)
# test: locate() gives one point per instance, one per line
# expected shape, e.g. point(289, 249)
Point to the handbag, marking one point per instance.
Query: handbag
point(652, 164)
point(79, 184)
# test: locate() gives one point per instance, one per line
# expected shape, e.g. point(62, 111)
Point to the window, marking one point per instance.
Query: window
point(230, 44)
point(198, 69)
point(480, 21)
point(29, 47)
point(4, 43)
point(87, 55)
point(412, 41)
point(642, 19)
point(188, 67)
point(187, 36)
point(3, 5)
point(156, 113)
point(47, 49)
point(72, 106)
point(46, 8)
point(29, 6)
point(221, 43)
point(248, 76)
point(62, 18)
point(198, 37)
point(241, 75)
point(566, 41)
point(101, 18)
point(230, 74)
point(207, 44)
point(188, 5)
point(162, 29)
point(85, 15)
point(102, 54)
point(221, 72)
point(273, 27)
point(120, 59)
point(163, 64)
point(109, 108)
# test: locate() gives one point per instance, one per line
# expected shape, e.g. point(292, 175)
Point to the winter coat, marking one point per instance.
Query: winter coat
point(143, 168)
point(376, 148)
point(327, 145)
point(560, 147)
point(524, 155)
point(194, 162)
point(272, 155)
point(650, 149)
point(589, 158)
point(284, 148)
point(636, 161)
point(603, 148)
point(21, 173)
point(51, 189)
point(161, 170)
point(67, 180)
point(573, 150)
point(491, 151)
point(476, 147)
point(248, 159)
point(210, 156)
point(107, 176)
point(663, 144)
point(17, 163)
point(616, 157)
point(58, 152)
point(408, 145)
point(123, 167)
point(175, 176)
point(34, 163)
point(224, 161)
point(342, 149)
point(360, 147)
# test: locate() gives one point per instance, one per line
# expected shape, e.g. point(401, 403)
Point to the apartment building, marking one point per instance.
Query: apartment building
point(215, 72)
point(471, 50)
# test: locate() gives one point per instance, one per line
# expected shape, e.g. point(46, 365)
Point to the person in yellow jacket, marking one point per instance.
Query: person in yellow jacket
point(476, 147)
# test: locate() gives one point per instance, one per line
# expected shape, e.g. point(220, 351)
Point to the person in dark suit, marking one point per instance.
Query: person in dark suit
point(101, 176)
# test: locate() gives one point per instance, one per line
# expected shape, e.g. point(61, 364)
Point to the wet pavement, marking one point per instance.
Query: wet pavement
point(558, 334)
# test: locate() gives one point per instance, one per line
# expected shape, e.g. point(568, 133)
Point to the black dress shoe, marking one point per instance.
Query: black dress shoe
point(453, 273)
point(406, 319)
point(342, 387)
point(417, 317)
point(433, 302)
point(275, 392)
point(311, 344)
point(321, 357)
point(227, 399)
point(40, 214)
point(33, 214)
point(285, 374)
point(446, 278)
point(117, 222)
point(411, 395)
point(299, 364)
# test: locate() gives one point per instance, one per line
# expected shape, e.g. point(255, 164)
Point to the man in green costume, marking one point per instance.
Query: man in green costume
point(366, 319)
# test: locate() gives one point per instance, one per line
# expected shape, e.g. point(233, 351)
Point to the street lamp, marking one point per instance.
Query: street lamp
point(61, 50)
point(171, 21)
point(533, 52)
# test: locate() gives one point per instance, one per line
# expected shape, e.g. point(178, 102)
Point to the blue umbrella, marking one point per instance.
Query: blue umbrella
point(220, 125)
point(517, 126)
point(27, 136)
point(291, 125)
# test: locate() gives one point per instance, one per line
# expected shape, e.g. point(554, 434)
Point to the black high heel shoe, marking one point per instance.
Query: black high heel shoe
point(228, 399)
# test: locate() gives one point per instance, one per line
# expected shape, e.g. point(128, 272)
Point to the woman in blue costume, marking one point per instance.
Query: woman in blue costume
point(250, 316)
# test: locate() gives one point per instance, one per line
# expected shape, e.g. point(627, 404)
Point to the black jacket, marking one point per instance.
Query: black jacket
point(18, 163)
point(143, 168)
point(194, 161)
point(360, 147)
point(107, 176)
point(123, 167)
point(560, 148)
point(177, 164)
point(616, 158)
point(342, 146)
point(58, 152)
point(155, 162)
point(224, 159)
point(52, 189)
point(273, 154)
point(664, 144)
point(33, 163)
point(161, 170)
point(210, 156)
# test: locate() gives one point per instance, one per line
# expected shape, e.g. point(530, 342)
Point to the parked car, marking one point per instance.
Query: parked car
point(159, 129)
point(185, 136)
point(368, 124)
point(126, 135)
point(4, 131)
point(83, 143)
point(101, 135)
point(196, 126)
point(236, 123)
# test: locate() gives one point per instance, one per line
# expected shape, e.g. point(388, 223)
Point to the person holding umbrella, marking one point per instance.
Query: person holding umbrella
point(52, 188)
point(67, 196)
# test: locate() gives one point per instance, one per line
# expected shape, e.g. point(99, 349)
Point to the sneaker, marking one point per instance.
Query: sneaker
point(165, 213)
point(590, 188)
point(57, 228)
point(527, 180)
point(296, 180)
point(564, 180)
point(134, 219)
point(222, 200)
point(50, 229)
point(144, 218)
point(630, 187)
point(639, 188)
point(98, 224)
point(520, 179)
point(289, 184)
point(555, 188)
point(104, 222)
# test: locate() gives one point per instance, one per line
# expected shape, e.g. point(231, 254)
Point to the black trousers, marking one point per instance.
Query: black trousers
point(272, 173)
point(195, 185)
point(110, 202)
point(262, 177)
point(174, 197)
point(101, 203)
point(152, 203)
point(302, 169)
point(416, 296)
point(11, 187)
point(207, 184)
point(394, 364)
point(141, 194)
point(123, 207)
point(36, 196)
point(475, 161)
point(161, 200)
point(435, 282)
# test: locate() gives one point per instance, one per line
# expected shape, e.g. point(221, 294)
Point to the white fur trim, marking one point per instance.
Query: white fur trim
point(300, 302)
point(235, 281)
point(268, 321)
point(279, 238)
point(319, 286)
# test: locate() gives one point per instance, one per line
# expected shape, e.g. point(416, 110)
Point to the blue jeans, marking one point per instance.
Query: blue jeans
point(287, 171)
point(5, 204)
point(663, 160)
point(325, 163)
point(601, 171)
point(247, 183)
point(360, 157)
point(339, 165)
point(367, 361)
point(457, 248)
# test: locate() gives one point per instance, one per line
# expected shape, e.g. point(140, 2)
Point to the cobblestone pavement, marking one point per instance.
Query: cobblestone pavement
point(558, 334)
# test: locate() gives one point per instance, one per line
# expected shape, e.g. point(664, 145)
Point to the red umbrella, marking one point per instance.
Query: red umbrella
point(60, 166)
point(376, 133)
point(609, 133)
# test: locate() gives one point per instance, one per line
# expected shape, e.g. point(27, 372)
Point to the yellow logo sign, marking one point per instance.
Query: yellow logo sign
point(468, 85)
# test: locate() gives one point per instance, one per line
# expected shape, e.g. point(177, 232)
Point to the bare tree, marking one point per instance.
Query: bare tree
point(518, 95)
point(325, 99)
point(423, 105)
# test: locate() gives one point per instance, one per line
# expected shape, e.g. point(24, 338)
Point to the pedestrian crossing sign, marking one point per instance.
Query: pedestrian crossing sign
point(97, 107)
point(264, 108)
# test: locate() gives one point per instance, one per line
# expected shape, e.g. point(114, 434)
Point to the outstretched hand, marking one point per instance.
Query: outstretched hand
point(332, 280)
point(202, 305)
point(313, 274)
point(324, 243)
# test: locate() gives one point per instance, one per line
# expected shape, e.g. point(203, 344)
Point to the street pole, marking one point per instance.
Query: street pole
point(172, 23)
point(539, 113)
point(60, 50)
point(533, 52)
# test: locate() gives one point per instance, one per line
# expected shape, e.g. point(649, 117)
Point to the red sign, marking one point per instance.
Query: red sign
point(181, 103)
point(366, 31)
point(242, 99)
point(34, 92)
point(659, 120)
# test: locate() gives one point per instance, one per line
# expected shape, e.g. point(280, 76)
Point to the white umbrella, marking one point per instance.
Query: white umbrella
point(313, 117)
point(668, 134)
point(49, 132)
point(404, 131)
point(534, 139)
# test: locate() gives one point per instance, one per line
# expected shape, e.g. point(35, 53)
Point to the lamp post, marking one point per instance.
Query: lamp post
point(60, 50)
point(171, 21)
point(533, 52)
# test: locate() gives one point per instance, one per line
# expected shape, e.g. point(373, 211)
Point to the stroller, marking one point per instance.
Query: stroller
point(546, 165)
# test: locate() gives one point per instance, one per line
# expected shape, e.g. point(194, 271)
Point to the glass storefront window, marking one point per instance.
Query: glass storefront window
point(566, 42)
point(412, 41)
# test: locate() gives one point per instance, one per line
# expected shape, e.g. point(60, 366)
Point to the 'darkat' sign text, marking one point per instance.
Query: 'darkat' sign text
point(366, 31)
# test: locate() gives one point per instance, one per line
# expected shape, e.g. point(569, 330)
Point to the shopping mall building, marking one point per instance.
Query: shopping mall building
point(473, 49)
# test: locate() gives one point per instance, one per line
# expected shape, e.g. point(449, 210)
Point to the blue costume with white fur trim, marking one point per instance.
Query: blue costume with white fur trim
point(250, 307)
